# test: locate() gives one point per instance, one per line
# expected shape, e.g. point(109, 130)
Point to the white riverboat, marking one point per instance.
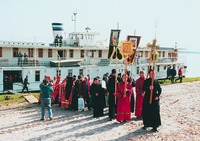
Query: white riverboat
point(79, 53)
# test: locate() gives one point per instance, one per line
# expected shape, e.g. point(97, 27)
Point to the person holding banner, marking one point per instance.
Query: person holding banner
point(151, 112)
point(123, 93)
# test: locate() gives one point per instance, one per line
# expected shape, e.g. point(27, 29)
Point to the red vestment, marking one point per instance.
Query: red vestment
point(56, 87)
point(139, 97)
point(123, 103)
point(65, 102)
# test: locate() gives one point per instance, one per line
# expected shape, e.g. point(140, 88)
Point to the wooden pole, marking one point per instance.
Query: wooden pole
point(152, 84)
point(116, 79)
point(125, 72)
point(116, 87)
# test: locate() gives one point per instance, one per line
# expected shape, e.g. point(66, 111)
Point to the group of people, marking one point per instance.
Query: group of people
point(58, 40)
point(171, 73)
point(20, 60)
point(114, 91)
point(9, 79)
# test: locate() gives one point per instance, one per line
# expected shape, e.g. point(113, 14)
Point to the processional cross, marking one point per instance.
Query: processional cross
point(153, 57)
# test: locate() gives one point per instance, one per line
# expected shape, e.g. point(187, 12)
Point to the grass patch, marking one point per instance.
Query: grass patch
point(192, 79)
point(14, 98)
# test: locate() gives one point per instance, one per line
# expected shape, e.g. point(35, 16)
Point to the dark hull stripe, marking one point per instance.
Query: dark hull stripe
point(57, 24)
point(57, 28)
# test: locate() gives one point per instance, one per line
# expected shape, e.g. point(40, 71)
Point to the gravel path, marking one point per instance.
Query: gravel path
point(180, 115)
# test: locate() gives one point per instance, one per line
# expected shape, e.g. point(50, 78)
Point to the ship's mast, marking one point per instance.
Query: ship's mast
point(155, 28)
point(74, 20)
point(117, 25)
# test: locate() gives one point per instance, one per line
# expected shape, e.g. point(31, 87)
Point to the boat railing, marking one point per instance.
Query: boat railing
point(16, 62)
point(160, 60)
point(9, 43)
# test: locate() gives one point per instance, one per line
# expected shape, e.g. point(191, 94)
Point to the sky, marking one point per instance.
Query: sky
point(169, 21)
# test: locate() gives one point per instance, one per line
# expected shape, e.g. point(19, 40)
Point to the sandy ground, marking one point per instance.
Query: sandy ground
point(180, 114)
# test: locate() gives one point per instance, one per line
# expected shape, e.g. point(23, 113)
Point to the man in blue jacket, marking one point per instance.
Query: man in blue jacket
point(46, 99)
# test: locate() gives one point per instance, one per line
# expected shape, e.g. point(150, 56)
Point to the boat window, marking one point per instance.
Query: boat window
point(58, 72)
point(71, 53)
point(40, 52)
point(141, 53)
point(82, 53)
point(0, 51)
point(49, 53)
point(30, 52)
point(81, 72)
point(163, 53)
point(159, 53)
point(169, 55)
point(91, 53)
point(100, 53)
point(37, 75)
point(15, 52)
point(138, 70)
point(158, 68)
point(146, 53)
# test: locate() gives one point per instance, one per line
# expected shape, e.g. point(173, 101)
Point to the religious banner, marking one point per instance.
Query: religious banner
point(113, 50)
point(127, 48)
point(136, 41)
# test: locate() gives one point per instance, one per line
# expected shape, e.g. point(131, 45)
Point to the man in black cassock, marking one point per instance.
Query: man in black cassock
point(111, 89)
point(151, 112)
point(76, 93)
point(97, 98)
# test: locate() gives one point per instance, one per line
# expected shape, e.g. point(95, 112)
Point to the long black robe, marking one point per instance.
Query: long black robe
point(75, 96)
point(151, 112)
point(111, 100)
point(97, 101)
point(68, 87)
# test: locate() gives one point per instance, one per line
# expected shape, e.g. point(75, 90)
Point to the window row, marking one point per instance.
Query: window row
point(62, 53)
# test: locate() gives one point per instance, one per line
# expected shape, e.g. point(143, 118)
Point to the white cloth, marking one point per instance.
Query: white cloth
point(81, 104)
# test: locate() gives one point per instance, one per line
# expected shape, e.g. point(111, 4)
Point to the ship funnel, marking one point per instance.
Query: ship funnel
point(57, 29)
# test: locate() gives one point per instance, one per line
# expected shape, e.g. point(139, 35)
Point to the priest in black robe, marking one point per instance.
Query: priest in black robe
point(151, 112)
point(96, 91)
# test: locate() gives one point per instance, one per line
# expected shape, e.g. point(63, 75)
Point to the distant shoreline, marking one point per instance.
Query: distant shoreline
point(189, 52)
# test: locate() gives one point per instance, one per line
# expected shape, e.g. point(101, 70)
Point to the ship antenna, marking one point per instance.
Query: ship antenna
point(117, 25)
point(74, 19)
point(134, 32)
point(155, 28)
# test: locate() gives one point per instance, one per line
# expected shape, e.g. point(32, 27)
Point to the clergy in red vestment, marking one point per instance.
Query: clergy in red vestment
point(139, 95)
point(56, 93)
point(123, 103)
point(66, 92)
